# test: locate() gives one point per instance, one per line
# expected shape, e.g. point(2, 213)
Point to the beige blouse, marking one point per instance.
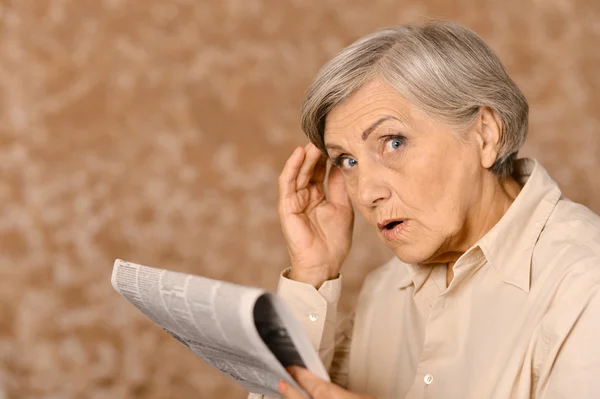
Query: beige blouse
point(520, 319)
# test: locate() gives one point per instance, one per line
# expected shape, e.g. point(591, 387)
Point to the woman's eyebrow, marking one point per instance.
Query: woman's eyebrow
point(333, 147)
point(375, 124)
point(365, 134)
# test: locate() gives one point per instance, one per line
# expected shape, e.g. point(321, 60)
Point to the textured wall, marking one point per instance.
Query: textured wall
point(155, 130)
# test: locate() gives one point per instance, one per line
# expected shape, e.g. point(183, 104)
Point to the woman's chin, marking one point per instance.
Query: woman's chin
point(402, 242)
point(411, 254)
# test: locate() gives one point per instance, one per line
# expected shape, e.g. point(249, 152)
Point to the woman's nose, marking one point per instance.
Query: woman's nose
point(372, 190)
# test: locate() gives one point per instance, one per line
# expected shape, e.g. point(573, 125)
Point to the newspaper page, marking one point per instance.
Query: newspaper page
point(216, 321)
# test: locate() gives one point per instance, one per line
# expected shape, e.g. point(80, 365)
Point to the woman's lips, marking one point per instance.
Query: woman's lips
point(391, 229)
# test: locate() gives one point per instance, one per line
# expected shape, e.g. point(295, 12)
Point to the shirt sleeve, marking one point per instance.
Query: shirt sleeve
point(317, 313)
point(338, 371)
point(577, 366)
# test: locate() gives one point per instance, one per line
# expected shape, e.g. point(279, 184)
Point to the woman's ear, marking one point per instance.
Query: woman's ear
point(488, 134)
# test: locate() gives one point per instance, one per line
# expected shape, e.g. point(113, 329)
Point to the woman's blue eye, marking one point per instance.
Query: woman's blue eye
point(394, 143)
point(348, 163)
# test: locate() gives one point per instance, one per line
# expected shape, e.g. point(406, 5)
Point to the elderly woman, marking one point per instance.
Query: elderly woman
point(494, 287)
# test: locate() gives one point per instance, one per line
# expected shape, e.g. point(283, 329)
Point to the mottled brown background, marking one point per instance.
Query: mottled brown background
point(155, 130)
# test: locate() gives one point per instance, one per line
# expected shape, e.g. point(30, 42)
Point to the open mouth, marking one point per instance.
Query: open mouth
point(391, 229)
point(389, 224)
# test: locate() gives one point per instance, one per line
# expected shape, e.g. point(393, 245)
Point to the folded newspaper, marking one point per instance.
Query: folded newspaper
point(246, 333)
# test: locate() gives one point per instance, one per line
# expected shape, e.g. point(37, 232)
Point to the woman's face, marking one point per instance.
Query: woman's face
point(411, 177)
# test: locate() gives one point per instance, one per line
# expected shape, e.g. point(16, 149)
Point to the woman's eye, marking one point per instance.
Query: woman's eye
point(394, 143)
point(348, 163)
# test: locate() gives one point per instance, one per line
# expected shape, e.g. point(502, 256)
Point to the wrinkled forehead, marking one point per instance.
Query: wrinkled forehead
point(371, 103)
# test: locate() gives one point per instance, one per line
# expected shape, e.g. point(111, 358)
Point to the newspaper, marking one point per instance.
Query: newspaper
point(246, 333)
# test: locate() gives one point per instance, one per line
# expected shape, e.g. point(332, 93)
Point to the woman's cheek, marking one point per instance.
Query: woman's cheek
point(351, 183)
point(395, 160)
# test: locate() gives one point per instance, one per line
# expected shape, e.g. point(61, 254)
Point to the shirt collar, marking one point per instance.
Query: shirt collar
point(508, 246)
point(416, 275)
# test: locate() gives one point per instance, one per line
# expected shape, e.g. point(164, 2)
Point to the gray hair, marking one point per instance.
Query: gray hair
point(444, 69)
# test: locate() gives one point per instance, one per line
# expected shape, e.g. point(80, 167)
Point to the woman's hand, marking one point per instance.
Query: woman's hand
point(318, 228)
point(315, 387)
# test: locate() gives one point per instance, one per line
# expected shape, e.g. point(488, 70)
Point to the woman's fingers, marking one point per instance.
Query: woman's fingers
point(314, 164)
point(305, 168)
point(289, 392)
point(320, 170)
point(289, 174)
point(315, 387)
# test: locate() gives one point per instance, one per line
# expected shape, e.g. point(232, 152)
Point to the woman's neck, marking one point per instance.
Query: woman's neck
point(495, 199)
point(490, 208)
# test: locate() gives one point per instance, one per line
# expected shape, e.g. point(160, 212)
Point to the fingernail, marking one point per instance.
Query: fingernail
point(281, 387)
